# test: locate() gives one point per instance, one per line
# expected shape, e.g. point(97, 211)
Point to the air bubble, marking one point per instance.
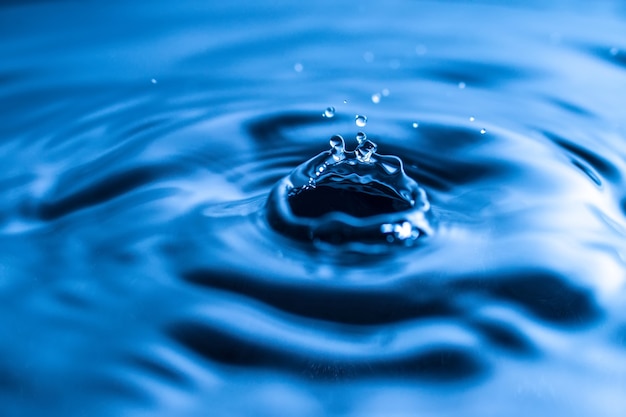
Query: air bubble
point(365, 150)
point(329, 112)
point(361, 137)
point(361, 121)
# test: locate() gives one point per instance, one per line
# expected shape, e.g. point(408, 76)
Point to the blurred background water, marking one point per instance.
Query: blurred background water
point(140, 140)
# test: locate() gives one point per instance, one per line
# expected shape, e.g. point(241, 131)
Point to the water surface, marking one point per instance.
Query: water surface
point(139, 274)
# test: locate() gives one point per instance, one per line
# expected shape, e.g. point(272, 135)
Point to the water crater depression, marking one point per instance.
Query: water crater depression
point(350, 197)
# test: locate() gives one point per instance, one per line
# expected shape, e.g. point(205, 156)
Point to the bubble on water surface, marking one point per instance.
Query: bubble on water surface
point(342, 197)
point(361, 121)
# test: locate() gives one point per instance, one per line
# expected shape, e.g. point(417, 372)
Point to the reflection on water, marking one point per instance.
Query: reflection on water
point(146, 269)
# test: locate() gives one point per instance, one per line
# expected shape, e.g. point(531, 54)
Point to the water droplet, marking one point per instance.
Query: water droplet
point(329, 112)
point(365, 150)
point(614, 51)
point(153, 81)
point(337, 147)
point(298, 67)
point(385, 92)
point(461, 85)
point(376, 98)
point(483, 131)
point(415, 125)
point(471, 119)
point(361, 137)
point(345, 102)
point(361, 121)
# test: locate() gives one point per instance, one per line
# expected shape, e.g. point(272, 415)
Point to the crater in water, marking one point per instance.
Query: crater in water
point(344, 197)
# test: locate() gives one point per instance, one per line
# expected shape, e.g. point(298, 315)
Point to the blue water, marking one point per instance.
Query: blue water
point(139, 274)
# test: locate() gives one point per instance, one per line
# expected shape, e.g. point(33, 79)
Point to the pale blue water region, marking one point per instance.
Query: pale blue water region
point(159, 256)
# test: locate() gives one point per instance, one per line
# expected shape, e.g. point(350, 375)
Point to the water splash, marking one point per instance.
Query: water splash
point(350, 197)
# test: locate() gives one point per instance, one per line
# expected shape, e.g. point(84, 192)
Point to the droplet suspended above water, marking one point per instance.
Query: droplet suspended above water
point(361, 121)
point(329, 112)
point(376, 98)
point(360, 137)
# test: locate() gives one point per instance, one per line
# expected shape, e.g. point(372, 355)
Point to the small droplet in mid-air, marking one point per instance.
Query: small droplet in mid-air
point(483, 131)
point(345, 102)
point(153, 81)
point(376, 98)
point(461, 85)
point(385, 92)
point(329, 112)
point(471, 119)
point(298, 67)
point(360, 137)
point(361, 121)
point(415, 125)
